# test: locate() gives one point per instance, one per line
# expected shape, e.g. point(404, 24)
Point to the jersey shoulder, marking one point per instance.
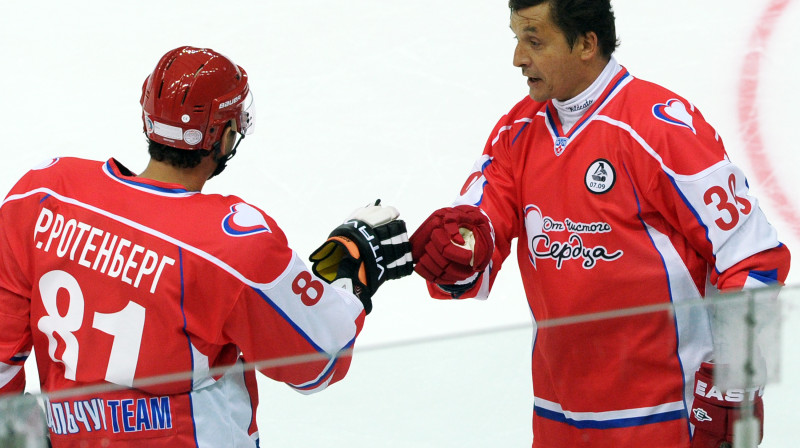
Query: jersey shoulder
point(51, 171)
point(218, 227)
point(242, 235)
point(241, 219)
point(519, 117)
point(525, 109)
point(667, 124)
point(651, 108)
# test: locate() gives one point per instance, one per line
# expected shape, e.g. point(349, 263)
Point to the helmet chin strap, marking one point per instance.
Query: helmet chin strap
point(222, 161)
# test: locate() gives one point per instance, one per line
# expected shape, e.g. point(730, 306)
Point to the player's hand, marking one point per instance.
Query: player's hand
point(370, 247)
point(715, 410)
point(453, 245)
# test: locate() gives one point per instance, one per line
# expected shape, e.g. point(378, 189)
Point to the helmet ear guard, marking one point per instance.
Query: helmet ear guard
point(191, 95)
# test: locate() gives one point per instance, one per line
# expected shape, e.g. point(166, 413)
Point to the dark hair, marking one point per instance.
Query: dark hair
point(179, 158)
point(578, 17)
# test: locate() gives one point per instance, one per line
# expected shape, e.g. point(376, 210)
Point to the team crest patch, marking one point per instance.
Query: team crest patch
point(244, 220)
point(674, 112)
point(600, 177)
point(560, 145)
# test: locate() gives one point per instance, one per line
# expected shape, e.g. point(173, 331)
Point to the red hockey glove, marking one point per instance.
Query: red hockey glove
point(452, 245)
point(715, 410)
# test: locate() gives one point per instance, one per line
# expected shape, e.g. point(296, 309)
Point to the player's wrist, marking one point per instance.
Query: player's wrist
point(459, 289)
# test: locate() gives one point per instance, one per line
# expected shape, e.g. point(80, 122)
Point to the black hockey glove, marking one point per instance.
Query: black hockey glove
point(370, 247)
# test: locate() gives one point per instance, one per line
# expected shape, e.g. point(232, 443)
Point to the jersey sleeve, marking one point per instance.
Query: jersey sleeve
point(491, 186)
point(297, 329)
point(704, 196)
point(15, 342)
point(15, 332)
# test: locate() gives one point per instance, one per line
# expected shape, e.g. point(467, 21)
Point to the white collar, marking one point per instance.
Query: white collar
point(571, 110)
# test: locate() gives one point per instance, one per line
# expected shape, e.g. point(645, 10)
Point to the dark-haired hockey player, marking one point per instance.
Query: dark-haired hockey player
point(156, 293)
point(622, 196)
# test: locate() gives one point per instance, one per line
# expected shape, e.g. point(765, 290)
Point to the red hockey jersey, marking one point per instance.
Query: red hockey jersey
point(637, 205)
point(157, 295)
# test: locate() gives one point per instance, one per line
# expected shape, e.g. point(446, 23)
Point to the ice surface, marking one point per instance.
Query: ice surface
point(361, 99)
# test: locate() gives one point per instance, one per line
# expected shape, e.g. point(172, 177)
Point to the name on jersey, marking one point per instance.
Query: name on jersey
point(119, 416)
point(541, 246)
point(99, 250)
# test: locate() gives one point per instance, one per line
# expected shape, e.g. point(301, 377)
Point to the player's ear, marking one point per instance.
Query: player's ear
point(228, 139)
point(587, 45)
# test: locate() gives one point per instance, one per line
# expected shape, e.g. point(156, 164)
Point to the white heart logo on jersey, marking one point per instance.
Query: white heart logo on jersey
point(674, 112)
point(46, 164)
point(534, 226)
point(243, 220)
point(472, 191)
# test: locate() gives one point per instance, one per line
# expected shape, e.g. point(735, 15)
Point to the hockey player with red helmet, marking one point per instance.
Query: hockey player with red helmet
point(146, 299)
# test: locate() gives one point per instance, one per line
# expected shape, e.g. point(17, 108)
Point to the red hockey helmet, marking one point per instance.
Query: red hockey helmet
point(190, 97)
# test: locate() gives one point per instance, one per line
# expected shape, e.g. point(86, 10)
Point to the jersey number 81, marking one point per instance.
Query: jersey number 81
point(126, 326)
